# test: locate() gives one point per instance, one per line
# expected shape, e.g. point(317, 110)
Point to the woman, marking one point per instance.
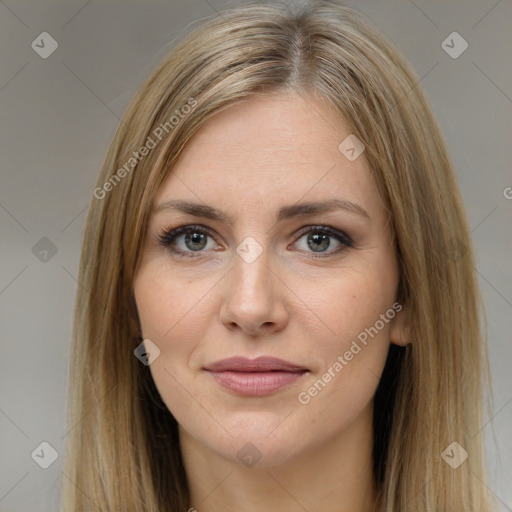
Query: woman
point(278, 308)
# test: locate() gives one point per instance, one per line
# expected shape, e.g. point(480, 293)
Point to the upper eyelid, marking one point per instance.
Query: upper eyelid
point(207, 229)
point(182, 229)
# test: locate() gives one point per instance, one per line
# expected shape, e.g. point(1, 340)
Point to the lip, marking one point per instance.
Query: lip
point(260, 364)
point(255, 377)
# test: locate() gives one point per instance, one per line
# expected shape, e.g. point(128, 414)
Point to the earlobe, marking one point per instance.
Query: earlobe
point(400, 333)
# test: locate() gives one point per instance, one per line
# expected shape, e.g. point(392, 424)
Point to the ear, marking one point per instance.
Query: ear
point(400, 333)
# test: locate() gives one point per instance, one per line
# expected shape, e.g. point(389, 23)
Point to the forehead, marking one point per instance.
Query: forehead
point(277, 148)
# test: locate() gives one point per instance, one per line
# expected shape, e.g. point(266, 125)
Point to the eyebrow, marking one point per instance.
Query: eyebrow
point(286, 212)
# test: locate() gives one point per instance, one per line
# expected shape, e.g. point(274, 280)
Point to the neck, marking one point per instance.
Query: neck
point(335, 476)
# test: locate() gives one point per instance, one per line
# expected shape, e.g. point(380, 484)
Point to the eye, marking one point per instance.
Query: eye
point(318, 239)
point(186, 240)
point(190, 240)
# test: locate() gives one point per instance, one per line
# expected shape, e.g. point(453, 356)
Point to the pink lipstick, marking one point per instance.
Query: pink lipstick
point(255, 377)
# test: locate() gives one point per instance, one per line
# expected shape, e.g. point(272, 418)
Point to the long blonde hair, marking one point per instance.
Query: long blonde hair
point(122, 442)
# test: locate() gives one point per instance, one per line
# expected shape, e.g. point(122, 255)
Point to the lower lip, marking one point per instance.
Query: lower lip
point(256, 383)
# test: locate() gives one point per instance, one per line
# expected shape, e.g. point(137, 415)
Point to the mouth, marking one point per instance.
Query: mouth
point(255, 377)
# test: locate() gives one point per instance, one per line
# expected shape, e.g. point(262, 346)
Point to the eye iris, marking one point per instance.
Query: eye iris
point(318, 241)
point(196, 239)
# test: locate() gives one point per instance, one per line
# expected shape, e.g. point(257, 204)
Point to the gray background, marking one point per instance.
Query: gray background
point(59, 114)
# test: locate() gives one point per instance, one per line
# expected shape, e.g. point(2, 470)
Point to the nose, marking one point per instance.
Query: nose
point(253, 297)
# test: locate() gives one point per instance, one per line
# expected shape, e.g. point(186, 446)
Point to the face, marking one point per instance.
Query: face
point(303, 297)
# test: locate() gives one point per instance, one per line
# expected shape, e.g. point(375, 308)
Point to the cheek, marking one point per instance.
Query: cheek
point(345, 307)
point(336, 317)
point(173, 315)
point(166, 303)
point(356, 314)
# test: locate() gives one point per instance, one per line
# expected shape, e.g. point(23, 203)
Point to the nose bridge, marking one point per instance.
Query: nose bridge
point(251, 273)
point(249, 299)
point(252, 297)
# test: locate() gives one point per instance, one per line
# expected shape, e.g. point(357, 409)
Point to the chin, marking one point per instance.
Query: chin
point(263, 452)
point(254, 439)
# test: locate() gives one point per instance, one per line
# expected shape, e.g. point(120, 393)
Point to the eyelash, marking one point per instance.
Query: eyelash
point(166, 238)
point(168, 235)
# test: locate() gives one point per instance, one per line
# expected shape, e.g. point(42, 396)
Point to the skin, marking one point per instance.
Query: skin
point(248, 161)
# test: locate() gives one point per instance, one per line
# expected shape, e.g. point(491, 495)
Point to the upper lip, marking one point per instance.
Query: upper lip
point(260, 364)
